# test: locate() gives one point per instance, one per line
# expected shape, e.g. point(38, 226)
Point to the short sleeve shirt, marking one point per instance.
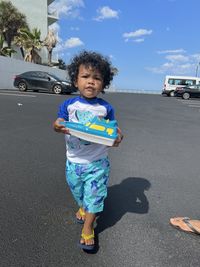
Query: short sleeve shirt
point(81, 110)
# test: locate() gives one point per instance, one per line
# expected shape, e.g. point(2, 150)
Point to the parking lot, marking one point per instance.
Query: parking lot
point(193, 103)
point(154, 176)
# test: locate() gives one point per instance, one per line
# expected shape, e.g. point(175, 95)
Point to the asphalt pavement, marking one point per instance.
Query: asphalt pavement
point(155, 175)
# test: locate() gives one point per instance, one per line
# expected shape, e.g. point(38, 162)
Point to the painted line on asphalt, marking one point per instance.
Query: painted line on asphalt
point(190, 102)
point(194, 106)
point(193, 101)
point(17, 95)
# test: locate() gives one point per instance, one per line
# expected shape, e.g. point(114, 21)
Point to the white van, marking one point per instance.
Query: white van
point(171, 82)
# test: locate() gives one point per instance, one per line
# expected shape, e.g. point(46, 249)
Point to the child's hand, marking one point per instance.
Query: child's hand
point(60, 128)
point(119, 138)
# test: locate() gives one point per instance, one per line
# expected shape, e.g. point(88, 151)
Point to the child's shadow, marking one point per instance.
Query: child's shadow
point(128, 196)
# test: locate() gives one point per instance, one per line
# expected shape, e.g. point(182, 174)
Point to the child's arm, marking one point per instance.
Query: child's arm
point(60, 128)
point(119, 138)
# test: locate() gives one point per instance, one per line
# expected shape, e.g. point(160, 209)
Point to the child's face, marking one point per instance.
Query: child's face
point(89, 82)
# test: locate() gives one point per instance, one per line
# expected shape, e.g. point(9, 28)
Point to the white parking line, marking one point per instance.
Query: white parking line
point(16, 95)
point(191, 103)
point(189, 100)
point(194, 106)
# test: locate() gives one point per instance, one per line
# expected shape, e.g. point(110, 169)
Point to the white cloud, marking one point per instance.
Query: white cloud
point(59, 48)
point(171, 51)
point(106, 13)
point(139, 40)
point(70, 9)
point(177, 64)
point(67, 7)
point(196, 57)
point(176, 69)
point(136, 34)
point(73, 42)
point(55, 27)
point(112, 57)
point(74, 28)
point(62, 46)
point(177, 58)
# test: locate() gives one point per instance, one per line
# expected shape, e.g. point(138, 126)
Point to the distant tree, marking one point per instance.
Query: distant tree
point(115, 70)
point(61, 64)
point(11, 20)
point(30, 42)
point(5, 50)
point(50, 42)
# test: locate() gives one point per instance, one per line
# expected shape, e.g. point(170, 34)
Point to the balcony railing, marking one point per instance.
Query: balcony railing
point(50, 1)
point(53, 14)
point(52, 17)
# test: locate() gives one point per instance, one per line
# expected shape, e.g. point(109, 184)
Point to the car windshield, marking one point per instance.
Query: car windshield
point(57, 78)
point(54, 76)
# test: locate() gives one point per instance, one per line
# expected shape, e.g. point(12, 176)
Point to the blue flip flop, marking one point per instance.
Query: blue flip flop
point(87, 237)
point(81, 221)
point(86, 247)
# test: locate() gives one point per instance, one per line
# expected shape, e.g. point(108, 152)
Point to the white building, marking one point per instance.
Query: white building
point(37, 16)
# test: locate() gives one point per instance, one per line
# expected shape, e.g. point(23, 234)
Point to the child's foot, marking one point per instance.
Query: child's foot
point(80, 216)
point(87, 239)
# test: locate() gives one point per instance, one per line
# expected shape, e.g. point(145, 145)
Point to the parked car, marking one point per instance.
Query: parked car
point(40, 80)
point(187, 92)
point(171, 82)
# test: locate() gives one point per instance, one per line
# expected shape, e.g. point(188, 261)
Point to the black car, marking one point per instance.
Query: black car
point(40, 80)
point(188, 91)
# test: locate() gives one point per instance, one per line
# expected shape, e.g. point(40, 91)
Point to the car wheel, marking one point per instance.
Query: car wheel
point(22, 86)
point(57, 89)
point(171, 93)
point(186, 96)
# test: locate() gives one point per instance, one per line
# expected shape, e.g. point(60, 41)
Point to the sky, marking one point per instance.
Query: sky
point(144, 39)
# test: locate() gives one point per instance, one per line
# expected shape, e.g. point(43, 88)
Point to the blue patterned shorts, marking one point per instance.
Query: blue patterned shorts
point(88, 183)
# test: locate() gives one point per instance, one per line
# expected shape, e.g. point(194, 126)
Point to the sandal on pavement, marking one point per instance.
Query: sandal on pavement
point(82, 213)
point(185, 224)
point(87, 237)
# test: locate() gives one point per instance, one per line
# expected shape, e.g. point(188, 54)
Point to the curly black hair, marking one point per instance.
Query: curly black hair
point(94, 60)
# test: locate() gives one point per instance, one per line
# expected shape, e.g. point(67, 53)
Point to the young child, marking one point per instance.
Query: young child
point(87, 165)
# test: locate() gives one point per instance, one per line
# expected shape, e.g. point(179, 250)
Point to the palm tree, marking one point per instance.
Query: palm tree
point(115, 70)
point(11, 20)
point(61, 64)
point(30, 42)
point(50, 42)
point(5, 50)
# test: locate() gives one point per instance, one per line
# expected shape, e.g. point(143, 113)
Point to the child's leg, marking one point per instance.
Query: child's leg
point(88, 228)
point(95, 191)
point(76, 186)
